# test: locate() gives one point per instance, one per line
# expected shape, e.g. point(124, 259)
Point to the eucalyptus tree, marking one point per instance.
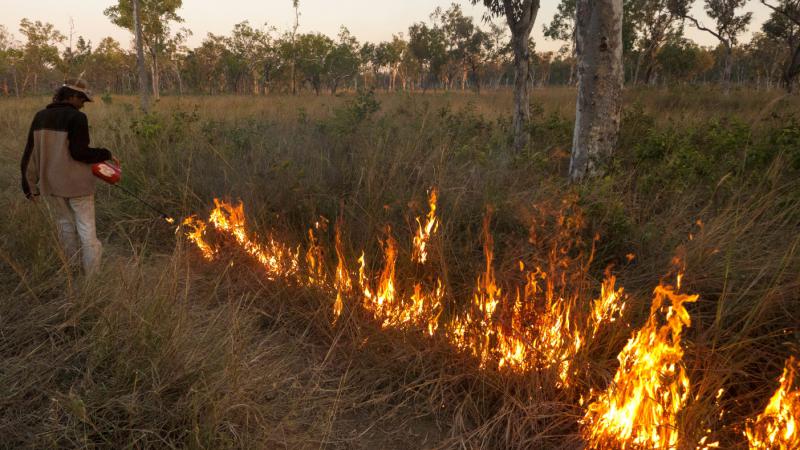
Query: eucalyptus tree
point(312, 52)
point(497, 57)
point(207, 66)
point(10, 56)
point(368, 63)
point(728, 25)
point(466, 43)
point(390, 54)
point(428, 45)
point(784, 25)
point(141, 74)
point(156, 18)
point(76, 59)
point(112, 67)
point(252, 46)
point(39, 50)
point(520, 16)
point(342, 61)
point(651, 23)
point(562, 28)
point(598, 28)
point(681, 60)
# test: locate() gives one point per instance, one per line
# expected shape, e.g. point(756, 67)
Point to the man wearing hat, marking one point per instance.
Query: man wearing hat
point(56, 166)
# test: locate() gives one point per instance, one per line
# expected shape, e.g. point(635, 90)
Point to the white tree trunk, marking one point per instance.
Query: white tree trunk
point(600, 78)
point(522, 113)
point(137, 26)
point(154, 74)
point(727, 68)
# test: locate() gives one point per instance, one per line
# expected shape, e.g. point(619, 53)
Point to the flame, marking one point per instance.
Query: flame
point(390, 307)
point(776, 427)
point(197, 230)
point(640, 408)
point(424, 232)
point(538, 329)
point(315, 261)
point(545, 326)
point(610, 304)
point(342, 282)
point(278, 259)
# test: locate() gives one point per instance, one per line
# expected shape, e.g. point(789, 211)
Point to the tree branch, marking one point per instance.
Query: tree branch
point(782, 12)
point(699, 26)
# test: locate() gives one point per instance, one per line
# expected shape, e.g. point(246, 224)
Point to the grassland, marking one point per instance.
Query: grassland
point(163, 349)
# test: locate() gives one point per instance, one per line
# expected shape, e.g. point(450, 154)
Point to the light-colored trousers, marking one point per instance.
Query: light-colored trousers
point(76, 230)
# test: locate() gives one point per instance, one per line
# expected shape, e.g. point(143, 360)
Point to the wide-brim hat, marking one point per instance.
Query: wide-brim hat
point(79, 86)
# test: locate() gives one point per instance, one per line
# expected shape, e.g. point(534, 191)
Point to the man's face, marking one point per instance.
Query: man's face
point(76, 101)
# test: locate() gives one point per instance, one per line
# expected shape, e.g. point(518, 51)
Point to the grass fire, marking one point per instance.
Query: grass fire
point(414, 230)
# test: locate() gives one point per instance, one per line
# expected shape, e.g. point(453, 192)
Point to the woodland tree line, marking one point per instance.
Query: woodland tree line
point(447, 51)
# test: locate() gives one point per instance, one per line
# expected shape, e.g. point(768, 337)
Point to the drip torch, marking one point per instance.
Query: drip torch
point(111, 173)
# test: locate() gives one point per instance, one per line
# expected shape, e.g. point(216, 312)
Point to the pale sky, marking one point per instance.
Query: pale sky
point(371, 21)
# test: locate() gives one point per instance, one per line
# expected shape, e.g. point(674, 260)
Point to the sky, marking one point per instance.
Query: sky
point(368, 20)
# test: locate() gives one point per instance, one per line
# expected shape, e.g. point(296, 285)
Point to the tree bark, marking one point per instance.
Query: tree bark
point(791, 70)
point(600, 77)
point(520, 32)
point(16, 84)
point(154, 74)
point(179, 79)
point(144, 99)
point(726, 69)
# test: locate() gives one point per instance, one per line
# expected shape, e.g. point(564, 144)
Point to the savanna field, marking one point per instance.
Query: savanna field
point(309, 319)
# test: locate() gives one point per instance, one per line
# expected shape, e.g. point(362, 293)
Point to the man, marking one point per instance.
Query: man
point(56, 165)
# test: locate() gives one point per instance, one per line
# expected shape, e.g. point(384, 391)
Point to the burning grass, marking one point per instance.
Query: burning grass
point(444, 331)
point(642, 406)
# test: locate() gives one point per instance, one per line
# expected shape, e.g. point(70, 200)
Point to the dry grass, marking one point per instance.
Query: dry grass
point(166, 350)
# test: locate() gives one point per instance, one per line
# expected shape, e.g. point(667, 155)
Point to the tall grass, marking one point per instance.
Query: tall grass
point(165, 350)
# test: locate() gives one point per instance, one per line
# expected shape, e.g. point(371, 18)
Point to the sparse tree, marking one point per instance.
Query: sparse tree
point(498, 57)
point(292, 40)
point(156, 17)
point(312, 50)
point(520, 16)
point(390, 55)
point(681, 60)
point(428, 46)
point(342, 61)
point(252, 46)
point(728, 27)
point(367, 62)
point(465, 43)
point(76, 59)
point(9, 56)
point(562, 28)
point(40, 51)
point(111, 66)
point(763, 59)
point(206, 67)
point(784, 25)
point(600, 78)
point(651, 23)
point(144, 96)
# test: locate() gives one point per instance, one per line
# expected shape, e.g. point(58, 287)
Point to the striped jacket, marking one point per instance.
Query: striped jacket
point(57, 158)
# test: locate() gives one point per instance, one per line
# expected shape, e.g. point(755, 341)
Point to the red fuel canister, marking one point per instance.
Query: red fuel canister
point(108, 171)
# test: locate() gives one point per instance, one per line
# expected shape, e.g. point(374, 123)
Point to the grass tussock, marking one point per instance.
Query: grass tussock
point(163, 349)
